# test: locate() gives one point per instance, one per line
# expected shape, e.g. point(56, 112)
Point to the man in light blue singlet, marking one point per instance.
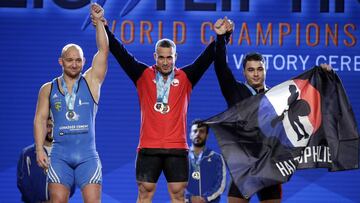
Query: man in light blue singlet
point(73, 100)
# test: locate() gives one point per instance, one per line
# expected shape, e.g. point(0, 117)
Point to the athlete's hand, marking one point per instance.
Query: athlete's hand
point(197, 199)
point(229, 25)
point(97, 14)
point(94, 22)
point(219, 27)
point(97, 11)
point(42, 159)
point(223, 26)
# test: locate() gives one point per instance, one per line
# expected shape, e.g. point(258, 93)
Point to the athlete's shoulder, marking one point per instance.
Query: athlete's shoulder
point(179, 70)
point(46, 85)
point(214, 153)
point(181, 74)
point(46, 88)
point(149, 72)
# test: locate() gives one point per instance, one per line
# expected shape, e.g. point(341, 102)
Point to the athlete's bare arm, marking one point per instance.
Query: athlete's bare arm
point(40, 122)
point(96, 74)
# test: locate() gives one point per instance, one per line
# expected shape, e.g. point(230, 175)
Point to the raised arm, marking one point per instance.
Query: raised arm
point(226, 79)
point(132, 67)
point(96, 74)
point(195, 70)
point(40, 122)
point(100, 60)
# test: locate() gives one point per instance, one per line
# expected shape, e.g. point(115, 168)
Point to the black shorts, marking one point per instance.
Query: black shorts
point(268, 193)
point(151, 162)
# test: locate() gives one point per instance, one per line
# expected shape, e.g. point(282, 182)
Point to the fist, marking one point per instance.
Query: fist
point(223, 26)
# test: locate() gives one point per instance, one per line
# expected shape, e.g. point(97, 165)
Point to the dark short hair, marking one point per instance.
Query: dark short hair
point(200, 124)
point(167, 43)
point(253, 56)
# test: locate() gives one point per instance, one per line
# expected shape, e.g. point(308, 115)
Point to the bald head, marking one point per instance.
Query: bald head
point(69, 47)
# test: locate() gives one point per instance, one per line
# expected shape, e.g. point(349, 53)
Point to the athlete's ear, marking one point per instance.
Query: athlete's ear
point(60, 61)
point(155, 56)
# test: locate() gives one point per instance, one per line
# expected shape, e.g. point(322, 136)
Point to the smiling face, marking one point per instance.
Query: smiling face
point(165, 56)
point(165, 59)
point(72, 60)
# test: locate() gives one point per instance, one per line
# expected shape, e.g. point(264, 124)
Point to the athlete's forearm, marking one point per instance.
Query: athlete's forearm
point(102, 41)
point(39, 132)
point(197, 69)
point(224, 75)
point(127, 61)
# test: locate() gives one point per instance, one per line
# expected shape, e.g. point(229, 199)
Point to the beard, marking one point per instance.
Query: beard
point(49, 137)
point(166, 74)
point(199, 144)
point(72, 73)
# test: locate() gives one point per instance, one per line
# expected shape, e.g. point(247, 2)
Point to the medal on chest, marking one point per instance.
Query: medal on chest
point(195, 162)
point(70, 100)
point(161, 107)
point(163, 91)
point(196, 175)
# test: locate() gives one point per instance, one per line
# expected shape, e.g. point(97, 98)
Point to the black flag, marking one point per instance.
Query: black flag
point(306, 122)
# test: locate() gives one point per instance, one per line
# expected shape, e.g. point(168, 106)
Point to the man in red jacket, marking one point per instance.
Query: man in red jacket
point(164, 93)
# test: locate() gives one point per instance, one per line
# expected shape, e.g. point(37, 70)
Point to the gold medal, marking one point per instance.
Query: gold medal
point(158, 106)
point(161, 107)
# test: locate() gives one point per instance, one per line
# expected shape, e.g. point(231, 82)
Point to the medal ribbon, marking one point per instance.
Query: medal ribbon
point(70, 98)
point(163, 88)
point(195, 160)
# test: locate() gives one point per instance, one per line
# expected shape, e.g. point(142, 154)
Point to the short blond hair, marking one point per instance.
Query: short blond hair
point(68, 46)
